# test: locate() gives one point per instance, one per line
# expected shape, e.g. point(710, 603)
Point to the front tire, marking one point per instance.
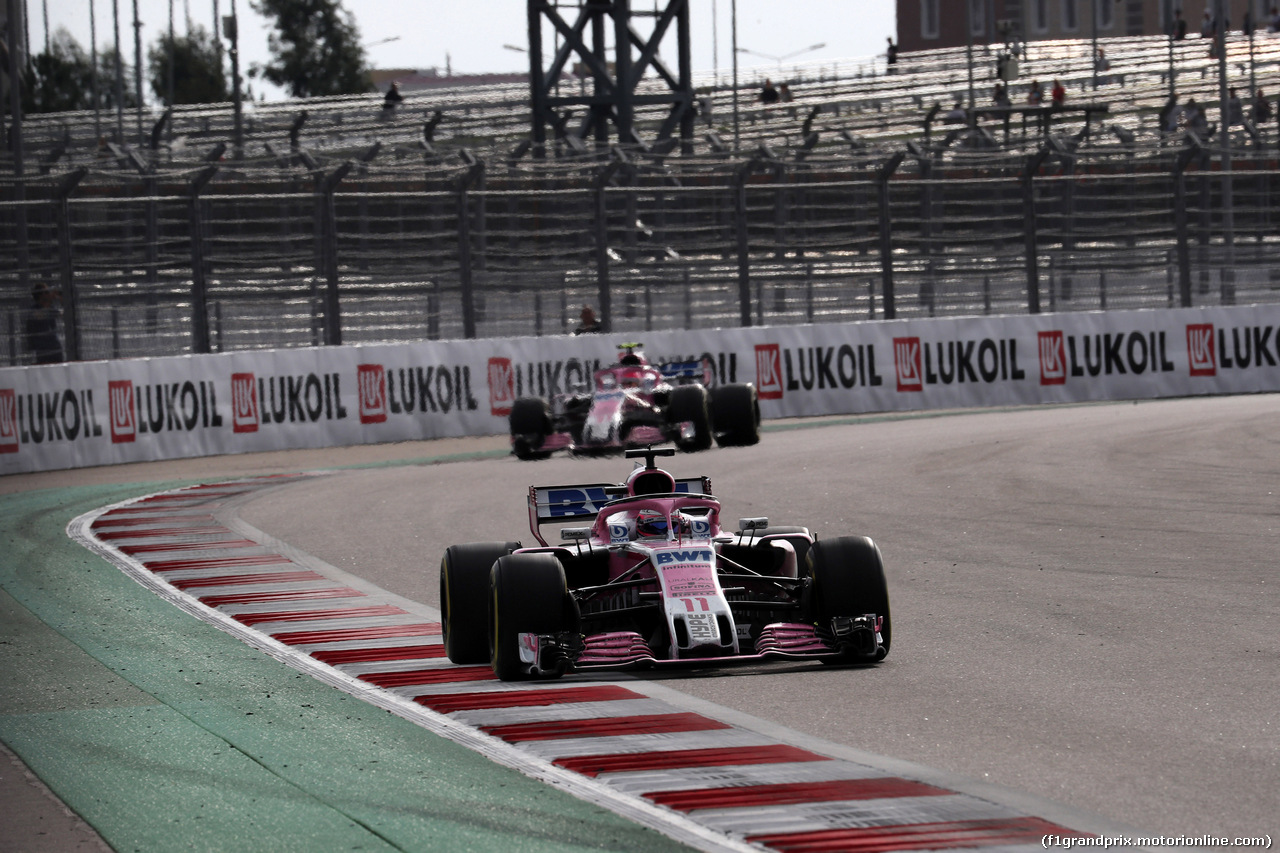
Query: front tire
point(691, 403)
point(848, 580)
point(527, 594)
point(464, 590)
point(530, 424)
point(735, 415)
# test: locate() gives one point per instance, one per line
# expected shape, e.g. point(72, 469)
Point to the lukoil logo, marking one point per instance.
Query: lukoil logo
point(1200, 354)
point(244, 403)
point(124, 421)
point(502, 386)
point(906, 361)
point(1053, 358)
point(768, 372)
point(8, 421)
point(372, 383)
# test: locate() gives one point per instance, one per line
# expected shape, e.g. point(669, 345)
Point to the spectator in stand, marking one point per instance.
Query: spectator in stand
point(1235, 108)
point(1179, 25)
point(784, 93)
point(768, 94)
point(42, 325)
point(1206, 25)
point(1058, 93)
point(1170, 115)
point(1035, 95)
point(1194, 119)
point(1000, 97)
point(588, 324)
point(1261, 109)
point(393, 98)
point(891, 55)
point(1100, 62)
point(1273, 22)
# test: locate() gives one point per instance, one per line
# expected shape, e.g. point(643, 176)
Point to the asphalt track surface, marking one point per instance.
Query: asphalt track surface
point(1085, 597)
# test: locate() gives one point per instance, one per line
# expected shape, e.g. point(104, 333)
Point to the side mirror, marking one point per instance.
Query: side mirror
point(745, 524)
point(575, 534)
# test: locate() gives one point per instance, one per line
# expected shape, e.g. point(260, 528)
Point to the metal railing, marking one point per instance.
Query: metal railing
point(832, 210)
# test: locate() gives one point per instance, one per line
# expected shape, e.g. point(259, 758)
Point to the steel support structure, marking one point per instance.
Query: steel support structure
point(610, 91)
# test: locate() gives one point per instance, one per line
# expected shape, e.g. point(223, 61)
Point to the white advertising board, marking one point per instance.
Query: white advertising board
point(101, 413)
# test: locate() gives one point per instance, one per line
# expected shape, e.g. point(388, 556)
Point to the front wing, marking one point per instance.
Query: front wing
point(847, 640)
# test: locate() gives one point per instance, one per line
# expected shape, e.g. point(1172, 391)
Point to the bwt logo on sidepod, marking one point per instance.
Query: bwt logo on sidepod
point(244, 403)
point(1053, 358)
point(124, 421)
point(502, 386)
point(372, 382)
point(906, 360)
point(1200, 355)
point(768, 372)
point(8, 421)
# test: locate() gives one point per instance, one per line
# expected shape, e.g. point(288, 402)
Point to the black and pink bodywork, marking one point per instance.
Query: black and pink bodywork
point(654, 581)
point(634, 404)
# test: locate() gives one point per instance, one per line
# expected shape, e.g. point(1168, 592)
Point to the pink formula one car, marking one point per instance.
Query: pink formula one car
point(654, 581)
point(633, 404)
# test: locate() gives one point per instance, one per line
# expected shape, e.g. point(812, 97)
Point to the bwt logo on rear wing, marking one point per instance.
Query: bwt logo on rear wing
point(573, 503)
point(699, 370)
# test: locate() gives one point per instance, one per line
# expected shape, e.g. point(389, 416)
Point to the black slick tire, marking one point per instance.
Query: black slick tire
point(527, 594)
point(848, 580)
point(530, 424)
point(691, 403)
point(735, 415)
point(464, 592)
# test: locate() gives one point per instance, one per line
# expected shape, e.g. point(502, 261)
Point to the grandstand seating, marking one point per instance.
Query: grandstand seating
point(847, 103)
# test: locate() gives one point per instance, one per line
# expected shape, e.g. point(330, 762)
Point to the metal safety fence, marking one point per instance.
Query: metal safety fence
point(223, 256)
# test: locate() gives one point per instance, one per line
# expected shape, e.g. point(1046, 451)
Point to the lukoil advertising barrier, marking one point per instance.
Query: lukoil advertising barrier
point(108, 412)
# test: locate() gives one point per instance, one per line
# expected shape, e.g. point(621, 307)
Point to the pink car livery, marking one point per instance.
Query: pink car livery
point(634, 403)
point(654, 581)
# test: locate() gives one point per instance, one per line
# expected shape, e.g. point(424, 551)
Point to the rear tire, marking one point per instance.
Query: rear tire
point(691, 403)
point(735, 415)
point(530, 424)
point(848, 580)
point(527, 594)
point(464, 591)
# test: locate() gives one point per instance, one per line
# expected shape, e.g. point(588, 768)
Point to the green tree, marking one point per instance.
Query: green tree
point(59, 79)
point(315, 49)
point(107, 81)
point(197, 70)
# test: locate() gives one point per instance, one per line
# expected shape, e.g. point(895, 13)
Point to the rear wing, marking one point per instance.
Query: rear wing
point(554, 504)
point(700, 371)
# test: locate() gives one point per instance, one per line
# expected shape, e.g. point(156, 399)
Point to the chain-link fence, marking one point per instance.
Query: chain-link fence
point(856, 202)
point(195, 262)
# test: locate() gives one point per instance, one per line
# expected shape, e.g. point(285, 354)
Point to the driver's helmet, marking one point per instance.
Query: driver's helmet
point(651, 524)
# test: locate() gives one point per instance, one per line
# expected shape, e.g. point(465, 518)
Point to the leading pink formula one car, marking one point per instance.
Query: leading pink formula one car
point(634, 403)
point(654, 581)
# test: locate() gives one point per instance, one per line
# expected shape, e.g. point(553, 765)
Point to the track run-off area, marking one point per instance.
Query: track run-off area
point(1085, 612)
